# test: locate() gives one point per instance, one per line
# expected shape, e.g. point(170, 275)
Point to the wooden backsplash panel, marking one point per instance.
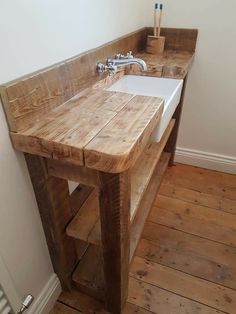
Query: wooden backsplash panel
point(27, 99)
point(179, 39)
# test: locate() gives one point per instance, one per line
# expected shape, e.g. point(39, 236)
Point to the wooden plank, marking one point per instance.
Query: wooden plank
point(172, 141)
point(71, 172)
point(161, 301)
point(88, 275)
point(82, 225)
point(198, 198)
point(63, 133)
point(185, 285)
point(79, 196)
point(169, 64)
point(195, 219)
point(114, 203)
point(199, 257)
point(125, 136)
point(31, 97)
point(86, 304)
point(146, 203)
point(60, 308)
point(142, 171)
point(179, 39)
point(202, 181)
point(52, 195)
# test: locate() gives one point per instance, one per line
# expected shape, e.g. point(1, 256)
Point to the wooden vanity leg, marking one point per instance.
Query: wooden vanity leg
point(171, 144)
point(53, 200)
point(114, 202)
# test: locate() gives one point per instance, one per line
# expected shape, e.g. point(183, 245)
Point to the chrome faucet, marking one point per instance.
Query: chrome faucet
point(119, 61)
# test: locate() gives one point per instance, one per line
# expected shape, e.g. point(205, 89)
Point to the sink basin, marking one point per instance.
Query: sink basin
point(168, 89)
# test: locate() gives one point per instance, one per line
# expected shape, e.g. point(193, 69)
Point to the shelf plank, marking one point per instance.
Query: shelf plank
point(88, 276)
point(82, 226)
point(144, 167)
point(147, 202)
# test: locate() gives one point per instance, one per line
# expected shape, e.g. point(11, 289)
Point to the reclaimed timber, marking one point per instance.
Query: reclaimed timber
point(171, 144)
point(169, 64)
point(80, 174)
point(29, 98)
point(125, 136)
point(114, 204)
point(82, 226)
point(66, 133)
point(79, 196)
point(86, 224)
point(142, 171)
point(195, 219)
point(180, 283)
point(88, 276)
point(52, 196)
point(178, 39)
point(191, 254)
point(160, 301)
point(146, 203)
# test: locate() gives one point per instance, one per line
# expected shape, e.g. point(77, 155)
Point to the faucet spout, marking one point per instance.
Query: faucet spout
point(120, 61)
point(123, 62)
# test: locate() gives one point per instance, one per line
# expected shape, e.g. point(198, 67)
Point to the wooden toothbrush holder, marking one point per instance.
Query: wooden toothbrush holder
point(155, 44)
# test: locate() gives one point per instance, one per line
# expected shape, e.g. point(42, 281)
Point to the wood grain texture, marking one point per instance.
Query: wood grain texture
point(146, 203)
point(52, 195)
point(120, 142)
point(143, 170)
point(160, 301)
point(198, 198)
point(83, 225)
point(29, 98)
point(195, 219)
point(178, 39)
point(75, 173)
point(88, 275)
point(188, 286)
point(199, 257)
point(114, 203)
point(169, 64)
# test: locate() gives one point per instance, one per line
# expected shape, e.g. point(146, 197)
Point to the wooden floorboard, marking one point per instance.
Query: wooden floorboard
point(186, 259)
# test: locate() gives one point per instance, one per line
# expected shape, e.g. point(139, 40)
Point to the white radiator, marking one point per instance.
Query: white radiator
point(5, 307)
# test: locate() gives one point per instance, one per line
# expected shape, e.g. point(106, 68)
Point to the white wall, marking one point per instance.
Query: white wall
point(35, 34)
point(209, 117)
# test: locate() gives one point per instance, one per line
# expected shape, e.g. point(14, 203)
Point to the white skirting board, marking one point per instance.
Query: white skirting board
point(206, 160)
point(47, 298)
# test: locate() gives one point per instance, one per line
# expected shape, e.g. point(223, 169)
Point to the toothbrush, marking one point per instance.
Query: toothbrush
point(160, 18)
point(155, 19)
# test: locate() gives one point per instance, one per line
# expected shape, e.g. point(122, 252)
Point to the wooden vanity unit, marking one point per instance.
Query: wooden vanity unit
point(71, 128)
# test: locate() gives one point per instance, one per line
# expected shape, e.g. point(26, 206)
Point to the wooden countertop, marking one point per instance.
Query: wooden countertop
point(100, 129)
point(170, 64)
point(95, 128)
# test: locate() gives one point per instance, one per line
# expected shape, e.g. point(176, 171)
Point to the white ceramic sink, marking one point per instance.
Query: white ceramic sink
point(168, 89)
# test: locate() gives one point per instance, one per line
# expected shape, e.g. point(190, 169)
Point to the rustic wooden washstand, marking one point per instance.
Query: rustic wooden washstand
point(71, 128)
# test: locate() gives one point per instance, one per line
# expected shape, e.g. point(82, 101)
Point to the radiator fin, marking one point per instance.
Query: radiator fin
point(5, 307)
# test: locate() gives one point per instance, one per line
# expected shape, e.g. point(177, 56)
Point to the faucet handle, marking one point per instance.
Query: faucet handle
point(129, 55)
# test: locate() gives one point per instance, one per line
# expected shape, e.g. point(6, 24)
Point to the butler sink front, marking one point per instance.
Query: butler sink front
point(168, 89)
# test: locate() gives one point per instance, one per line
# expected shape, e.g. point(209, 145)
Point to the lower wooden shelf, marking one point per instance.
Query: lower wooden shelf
point(88, 276)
